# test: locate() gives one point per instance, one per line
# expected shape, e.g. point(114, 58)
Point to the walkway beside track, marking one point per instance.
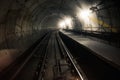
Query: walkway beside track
point(104, 51)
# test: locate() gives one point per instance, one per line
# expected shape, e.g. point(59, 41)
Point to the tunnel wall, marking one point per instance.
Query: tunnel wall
point(20, 21)
point(18, 31)
point(16, 25)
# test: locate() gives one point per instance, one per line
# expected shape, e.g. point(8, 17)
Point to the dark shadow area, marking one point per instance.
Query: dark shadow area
point(94, 67)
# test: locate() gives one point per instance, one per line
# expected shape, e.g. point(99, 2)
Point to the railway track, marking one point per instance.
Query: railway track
point(47, 60)
point(57, 57)
point(16, 67)
point(71, 60)
point(60, 64)
point(93, 66)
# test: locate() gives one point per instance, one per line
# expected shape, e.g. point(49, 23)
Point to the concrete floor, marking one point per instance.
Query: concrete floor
point(104, 51)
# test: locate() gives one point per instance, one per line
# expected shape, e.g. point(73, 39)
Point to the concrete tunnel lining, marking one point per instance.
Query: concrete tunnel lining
point(19, 19)
point(20, 22)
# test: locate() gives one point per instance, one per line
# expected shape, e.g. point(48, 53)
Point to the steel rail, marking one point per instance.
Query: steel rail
point(71, 59)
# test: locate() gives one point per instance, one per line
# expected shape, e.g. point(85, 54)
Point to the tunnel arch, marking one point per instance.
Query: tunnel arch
point(20, 20)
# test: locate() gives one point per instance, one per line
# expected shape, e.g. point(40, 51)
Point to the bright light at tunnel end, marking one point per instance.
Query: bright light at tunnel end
point(65, 23)
point(61, 25)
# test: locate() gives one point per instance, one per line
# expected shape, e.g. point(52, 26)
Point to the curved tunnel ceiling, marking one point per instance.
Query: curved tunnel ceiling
point(22, 15)
point(23, 21)
point(20, 20)
point(35, 10)
point(52, 7)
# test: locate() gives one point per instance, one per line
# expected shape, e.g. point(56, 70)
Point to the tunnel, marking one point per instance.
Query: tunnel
point(59, 40)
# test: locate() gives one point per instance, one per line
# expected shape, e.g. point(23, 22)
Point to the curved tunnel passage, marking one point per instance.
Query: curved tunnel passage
point(23, 21)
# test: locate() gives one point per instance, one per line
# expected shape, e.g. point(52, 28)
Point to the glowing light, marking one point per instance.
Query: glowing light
point(84, 14)
point(66, 22)
point(61, 24)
